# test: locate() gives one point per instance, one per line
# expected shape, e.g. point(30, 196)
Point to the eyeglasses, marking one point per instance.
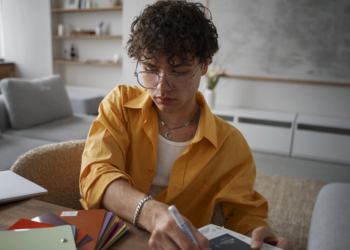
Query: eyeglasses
point(176, 81)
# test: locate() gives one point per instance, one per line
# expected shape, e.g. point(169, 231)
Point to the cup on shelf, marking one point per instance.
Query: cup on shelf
point(60, 30)
point(115, 58)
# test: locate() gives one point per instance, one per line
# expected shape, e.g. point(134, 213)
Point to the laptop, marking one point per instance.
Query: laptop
point(14, 187)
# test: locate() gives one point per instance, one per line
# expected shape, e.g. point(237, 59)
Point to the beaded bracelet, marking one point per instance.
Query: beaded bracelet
point(138, 209)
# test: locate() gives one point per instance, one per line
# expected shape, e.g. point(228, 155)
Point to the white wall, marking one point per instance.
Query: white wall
point(257, 39)
point(278, 96)
point(27, 36)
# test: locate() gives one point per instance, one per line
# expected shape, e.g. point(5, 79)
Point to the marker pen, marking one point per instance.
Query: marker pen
point(180, 222)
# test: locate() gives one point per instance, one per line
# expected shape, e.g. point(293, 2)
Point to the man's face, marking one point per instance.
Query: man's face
point(167, 99)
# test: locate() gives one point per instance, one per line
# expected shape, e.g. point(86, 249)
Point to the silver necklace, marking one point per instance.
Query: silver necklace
point(167, 133)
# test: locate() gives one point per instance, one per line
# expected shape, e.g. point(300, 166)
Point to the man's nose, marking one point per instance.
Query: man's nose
point(163, 84)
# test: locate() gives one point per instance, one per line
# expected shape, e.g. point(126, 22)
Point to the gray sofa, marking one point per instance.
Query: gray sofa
point(34, 113)
point(330, 222)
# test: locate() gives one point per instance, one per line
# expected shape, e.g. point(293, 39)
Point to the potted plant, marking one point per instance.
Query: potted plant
point(213, 77)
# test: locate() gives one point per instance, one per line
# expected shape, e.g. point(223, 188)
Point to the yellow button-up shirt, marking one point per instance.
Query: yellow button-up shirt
point(216, 167)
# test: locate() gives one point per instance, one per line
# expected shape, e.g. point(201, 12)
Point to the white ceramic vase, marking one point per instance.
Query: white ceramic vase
point(98, 31)
point(209, 96)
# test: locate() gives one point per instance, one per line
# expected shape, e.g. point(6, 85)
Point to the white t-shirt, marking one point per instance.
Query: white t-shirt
point(167, 154)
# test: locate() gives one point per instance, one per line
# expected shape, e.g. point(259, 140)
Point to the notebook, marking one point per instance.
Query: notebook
point(91, 229)
point(111, 225)
point(14, 187)
point(28, 224)
point(53, 238)
point(50, 218)
point(116, 233)
point(104, 227)
point(106, 223)
point(90, 221)
point(221, 238)
point(25, 224)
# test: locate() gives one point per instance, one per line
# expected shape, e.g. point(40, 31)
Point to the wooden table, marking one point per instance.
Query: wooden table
point(12, 212)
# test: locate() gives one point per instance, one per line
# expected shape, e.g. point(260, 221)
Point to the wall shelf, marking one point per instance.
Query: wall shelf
point(61, 10)
point(61, 61)
point(86, 36)
point(102, 48)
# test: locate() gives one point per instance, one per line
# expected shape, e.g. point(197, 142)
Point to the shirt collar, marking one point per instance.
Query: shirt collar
point(207, 126)
point(144, 102)
point(139, 102)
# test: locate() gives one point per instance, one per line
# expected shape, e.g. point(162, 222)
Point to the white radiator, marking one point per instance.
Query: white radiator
point(322, 138)
point(265, 131)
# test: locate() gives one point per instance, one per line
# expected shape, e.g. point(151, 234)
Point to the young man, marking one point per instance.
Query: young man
point(161, 140)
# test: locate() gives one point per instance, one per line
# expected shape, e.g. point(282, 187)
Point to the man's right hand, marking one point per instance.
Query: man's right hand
point(122, 199)
point(168, 235)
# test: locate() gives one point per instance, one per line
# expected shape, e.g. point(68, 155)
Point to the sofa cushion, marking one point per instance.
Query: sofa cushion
point(37, 101)
point(4, 117)
point(12, 147)
point(330, 227)
point(70, 128)
point(85, 103)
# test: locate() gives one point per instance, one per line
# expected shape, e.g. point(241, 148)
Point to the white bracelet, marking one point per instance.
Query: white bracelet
point(138, 209)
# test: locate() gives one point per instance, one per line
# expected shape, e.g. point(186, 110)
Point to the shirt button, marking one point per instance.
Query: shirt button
point(150, 169)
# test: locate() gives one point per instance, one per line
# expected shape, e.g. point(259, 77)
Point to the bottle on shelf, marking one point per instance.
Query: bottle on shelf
point(73, 53)
point(88, 4)
point(66, 55)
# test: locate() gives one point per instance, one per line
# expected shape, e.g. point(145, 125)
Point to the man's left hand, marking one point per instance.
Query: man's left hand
point(262, 235)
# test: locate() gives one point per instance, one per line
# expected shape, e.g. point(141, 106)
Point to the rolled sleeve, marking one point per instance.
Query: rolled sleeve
point(94, 185)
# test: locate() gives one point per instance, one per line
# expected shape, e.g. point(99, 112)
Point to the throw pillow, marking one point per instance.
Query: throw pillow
point(32, 102)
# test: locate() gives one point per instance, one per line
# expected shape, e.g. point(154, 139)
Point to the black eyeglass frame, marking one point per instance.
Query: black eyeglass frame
point(136, 74)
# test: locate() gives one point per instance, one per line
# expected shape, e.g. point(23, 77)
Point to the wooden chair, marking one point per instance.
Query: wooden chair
point(55, 167)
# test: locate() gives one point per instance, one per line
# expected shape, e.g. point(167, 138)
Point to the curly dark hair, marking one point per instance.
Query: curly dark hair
point(173, 28)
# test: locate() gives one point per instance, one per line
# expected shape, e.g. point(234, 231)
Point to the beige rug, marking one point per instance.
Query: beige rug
point(291, 202)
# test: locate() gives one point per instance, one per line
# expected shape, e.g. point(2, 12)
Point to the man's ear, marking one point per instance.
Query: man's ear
point(205, 66)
